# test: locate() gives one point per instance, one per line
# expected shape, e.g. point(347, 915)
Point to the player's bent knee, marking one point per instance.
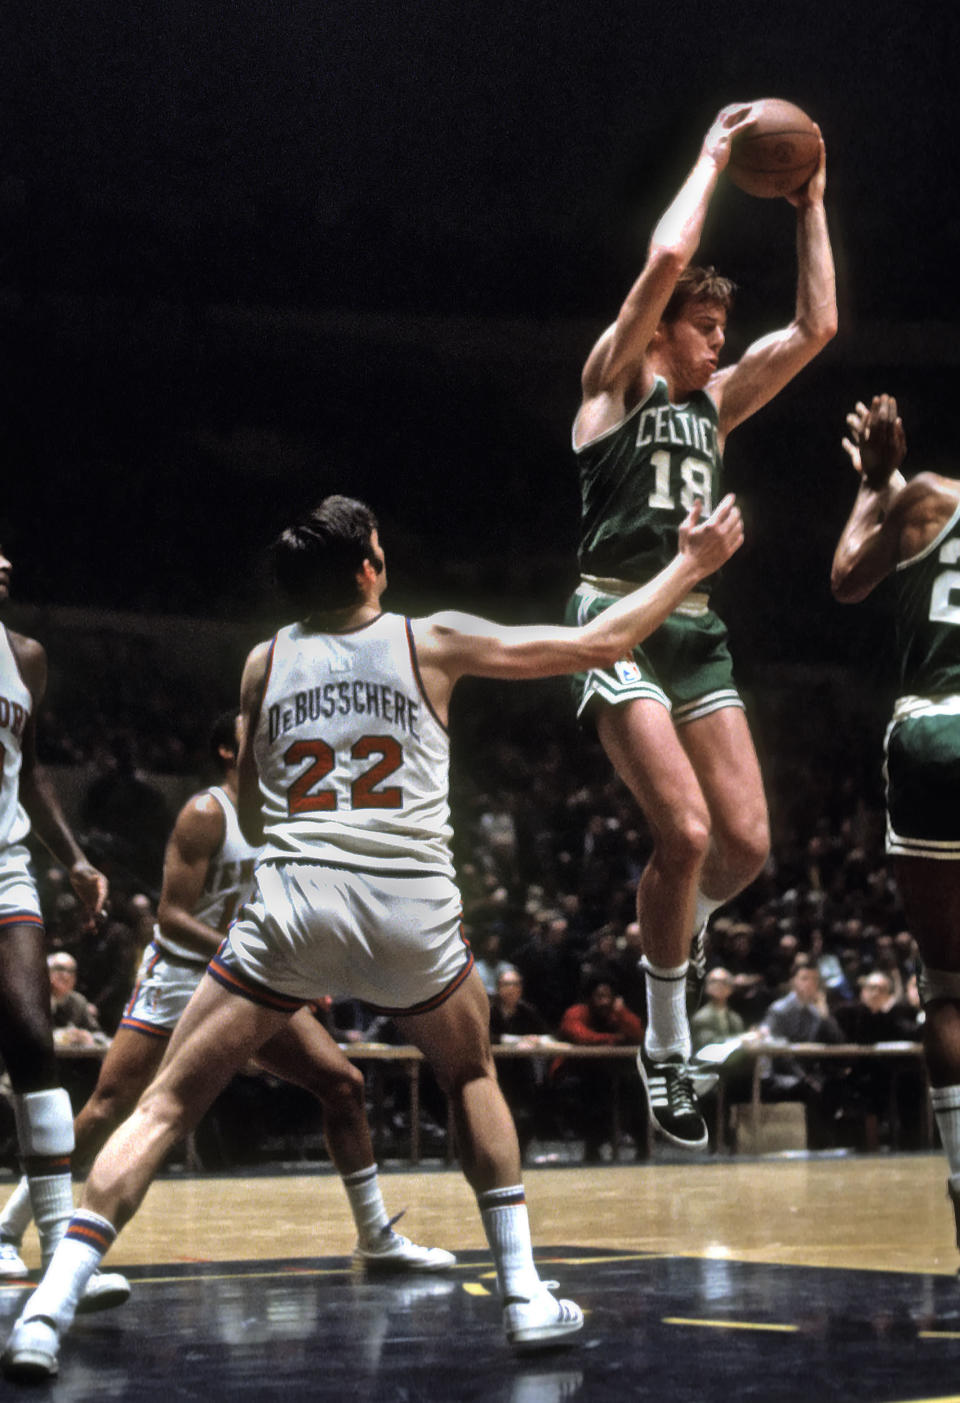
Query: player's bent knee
point(684, 844)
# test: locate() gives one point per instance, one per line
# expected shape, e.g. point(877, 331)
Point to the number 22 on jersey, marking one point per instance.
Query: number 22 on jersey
point(306, 794)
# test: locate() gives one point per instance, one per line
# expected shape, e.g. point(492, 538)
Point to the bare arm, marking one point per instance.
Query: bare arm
point(616, 363)
point(450, 646)
point(869, 545)
point(774, 360)
point(196, 839)
point(251, 696)
point(37, 794)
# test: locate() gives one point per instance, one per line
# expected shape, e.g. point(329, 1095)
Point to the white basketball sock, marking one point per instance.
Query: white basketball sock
point(366, 1204)
point(507, 1226)
point(17, 1213)
point(668, 1028)
point(945, 1101)
point(73, 1263)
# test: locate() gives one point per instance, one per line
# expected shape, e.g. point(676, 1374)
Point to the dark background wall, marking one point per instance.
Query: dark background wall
point(253, 253)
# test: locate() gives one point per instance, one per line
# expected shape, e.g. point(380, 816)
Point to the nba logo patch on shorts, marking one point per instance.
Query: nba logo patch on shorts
point(627, 670)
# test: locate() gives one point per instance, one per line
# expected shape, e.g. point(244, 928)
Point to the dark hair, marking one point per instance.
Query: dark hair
point(315, 562)
point(223, 734)
point(698, 285)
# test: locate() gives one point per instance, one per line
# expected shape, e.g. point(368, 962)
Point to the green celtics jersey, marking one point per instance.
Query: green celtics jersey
point(928, 616)
point(639, 480)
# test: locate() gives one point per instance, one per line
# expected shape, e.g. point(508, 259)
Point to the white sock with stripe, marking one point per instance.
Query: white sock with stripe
point(507, 1226)
point(945, 1101)
point(73, 1263)
point(366, 1204)
point(668, 1028)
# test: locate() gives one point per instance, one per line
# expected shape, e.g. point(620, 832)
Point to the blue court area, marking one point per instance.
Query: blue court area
point(664, 1328)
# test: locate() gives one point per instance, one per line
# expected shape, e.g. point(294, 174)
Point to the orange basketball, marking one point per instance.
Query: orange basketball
point(777, 153)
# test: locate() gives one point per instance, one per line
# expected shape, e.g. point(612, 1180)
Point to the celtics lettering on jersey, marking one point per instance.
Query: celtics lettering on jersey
point(639, 480)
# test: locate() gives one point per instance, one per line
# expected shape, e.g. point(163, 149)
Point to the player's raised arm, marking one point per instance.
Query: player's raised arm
point(453, 645)
point(774, 360)
point(622, 346)
point(869, 544)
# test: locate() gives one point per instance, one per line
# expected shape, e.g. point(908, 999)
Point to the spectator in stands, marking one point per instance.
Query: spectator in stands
point(882, 1094)
point(72, 1014)
point(802, 1016)
point(550, 966)
point(515, 1022)
point(602, 1019)
point(488, 958)
point(716, 1021)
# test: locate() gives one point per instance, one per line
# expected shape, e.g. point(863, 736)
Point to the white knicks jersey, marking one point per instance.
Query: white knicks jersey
point(229, 882)
point(353, 763)
point(16, 703)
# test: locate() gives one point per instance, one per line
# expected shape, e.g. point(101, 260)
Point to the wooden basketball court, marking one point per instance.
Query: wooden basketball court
point(784, 1279)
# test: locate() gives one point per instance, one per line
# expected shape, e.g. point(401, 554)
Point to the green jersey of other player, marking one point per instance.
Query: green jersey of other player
point(928, 616)
point(639, 479)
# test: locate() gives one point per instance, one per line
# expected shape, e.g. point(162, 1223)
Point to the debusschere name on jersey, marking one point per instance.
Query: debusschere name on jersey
point(353, 763)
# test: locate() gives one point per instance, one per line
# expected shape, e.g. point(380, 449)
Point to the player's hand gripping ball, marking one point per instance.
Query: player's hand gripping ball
point(777, 153)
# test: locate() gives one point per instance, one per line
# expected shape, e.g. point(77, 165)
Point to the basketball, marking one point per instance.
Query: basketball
point(778, 152)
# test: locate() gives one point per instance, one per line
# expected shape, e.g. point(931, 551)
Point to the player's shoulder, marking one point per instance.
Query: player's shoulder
point(201, 815)
point(31, 658)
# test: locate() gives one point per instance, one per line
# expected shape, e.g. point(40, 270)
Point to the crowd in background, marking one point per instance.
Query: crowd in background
point(549, 848)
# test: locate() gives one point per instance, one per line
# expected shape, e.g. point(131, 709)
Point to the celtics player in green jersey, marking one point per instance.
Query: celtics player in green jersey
point(911, 530)
point(649, 438)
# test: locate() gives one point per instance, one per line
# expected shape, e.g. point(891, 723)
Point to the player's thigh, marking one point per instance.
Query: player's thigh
point(303, 1052)
point(643, 746)
point(930, 891)
point(217, 1035)
point(454, 1038)
point(721, 751)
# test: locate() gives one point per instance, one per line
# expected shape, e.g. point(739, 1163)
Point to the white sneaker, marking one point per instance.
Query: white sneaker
point(103, 1291)
point(31, 1351)
point(11, 1263)
point(540, 1322)
point(395, 1253)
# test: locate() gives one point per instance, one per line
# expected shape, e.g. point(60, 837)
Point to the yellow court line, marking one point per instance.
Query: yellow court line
point(731, 1324)
point(938, 1335)
point(946, 1398)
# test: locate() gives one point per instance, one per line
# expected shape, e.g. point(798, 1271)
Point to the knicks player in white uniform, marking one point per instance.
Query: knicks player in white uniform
point(28, 802)
point(207, 876)
point(343, 778)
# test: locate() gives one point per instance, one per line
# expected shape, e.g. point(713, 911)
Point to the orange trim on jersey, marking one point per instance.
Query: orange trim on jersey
point(22, 918)
point(415, 664)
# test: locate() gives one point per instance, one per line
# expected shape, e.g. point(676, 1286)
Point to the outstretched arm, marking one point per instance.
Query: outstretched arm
point(619, 353)
point(450, 646)
point(771, 362)
point(869, 544)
